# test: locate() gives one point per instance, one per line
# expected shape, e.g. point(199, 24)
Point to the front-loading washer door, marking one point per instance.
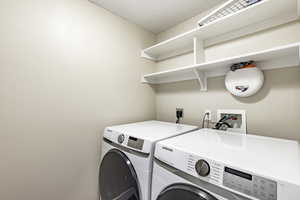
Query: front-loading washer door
point(117, 177)
point(184, 192)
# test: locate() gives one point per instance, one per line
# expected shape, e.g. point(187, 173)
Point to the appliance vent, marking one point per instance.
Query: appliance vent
point(228, 8)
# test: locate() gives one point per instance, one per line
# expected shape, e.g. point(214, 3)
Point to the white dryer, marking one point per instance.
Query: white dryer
point(216, 165)
point(127, 156)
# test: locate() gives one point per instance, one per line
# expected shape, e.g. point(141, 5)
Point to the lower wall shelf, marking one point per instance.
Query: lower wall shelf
point(280, 57)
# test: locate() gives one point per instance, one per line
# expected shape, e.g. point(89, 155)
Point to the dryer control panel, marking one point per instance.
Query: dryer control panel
point(232, 178)
point(219, 174)
point(248, 184)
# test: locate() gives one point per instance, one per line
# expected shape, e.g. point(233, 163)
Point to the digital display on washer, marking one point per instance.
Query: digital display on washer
point(135, 143)
point(238, 173)
point(133, 138)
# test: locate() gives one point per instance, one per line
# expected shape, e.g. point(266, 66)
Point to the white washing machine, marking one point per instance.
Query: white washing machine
point(127, 157)
point(216, 165)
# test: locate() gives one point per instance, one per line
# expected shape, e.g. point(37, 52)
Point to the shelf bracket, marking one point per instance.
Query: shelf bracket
point(144, 55)
point(143, 80)
point(202, 78)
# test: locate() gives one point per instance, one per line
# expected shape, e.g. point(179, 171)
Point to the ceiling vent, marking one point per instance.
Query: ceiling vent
point(227, 9)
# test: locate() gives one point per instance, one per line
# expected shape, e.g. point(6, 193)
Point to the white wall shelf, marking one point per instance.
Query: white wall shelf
point(280, 57)
point(262, 15)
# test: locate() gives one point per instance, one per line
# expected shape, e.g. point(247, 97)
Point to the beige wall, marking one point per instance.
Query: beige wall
point(67, 69)
point(274, 111)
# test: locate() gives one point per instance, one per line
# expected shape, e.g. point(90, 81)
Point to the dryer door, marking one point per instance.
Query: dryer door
point(183, 191)
point(117, 177)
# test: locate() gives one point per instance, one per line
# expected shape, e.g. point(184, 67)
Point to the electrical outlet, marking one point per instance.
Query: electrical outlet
point(179, 112)
point(209, 114)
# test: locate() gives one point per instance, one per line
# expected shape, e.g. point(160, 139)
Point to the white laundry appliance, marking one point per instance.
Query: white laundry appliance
point(127, 156)
point(216, 165)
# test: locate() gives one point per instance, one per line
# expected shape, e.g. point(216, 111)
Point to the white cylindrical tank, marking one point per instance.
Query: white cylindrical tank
point(244, 82)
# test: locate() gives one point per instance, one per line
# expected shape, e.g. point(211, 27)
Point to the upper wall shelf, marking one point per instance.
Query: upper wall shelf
point(262, 15)
point(281, 57)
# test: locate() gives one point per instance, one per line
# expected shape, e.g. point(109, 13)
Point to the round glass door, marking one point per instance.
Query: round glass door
point(117, 177)
point(184, 192)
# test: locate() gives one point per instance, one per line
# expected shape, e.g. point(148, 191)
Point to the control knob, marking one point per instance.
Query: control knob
point(121, 138)
point(202, 168)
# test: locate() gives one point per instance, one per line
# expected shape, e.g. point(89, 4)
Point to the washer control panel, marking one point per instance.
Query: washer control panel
point(259, 187)
point(135, 143)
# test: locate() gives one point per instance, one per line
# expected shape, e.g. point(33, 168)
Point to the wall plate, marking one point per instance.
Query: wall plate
point(239, 125)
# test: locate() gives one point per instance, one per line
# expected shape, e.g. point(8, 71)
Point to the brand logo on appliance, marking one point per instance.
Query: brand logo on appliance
point(242, 88)
point(167, 149)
